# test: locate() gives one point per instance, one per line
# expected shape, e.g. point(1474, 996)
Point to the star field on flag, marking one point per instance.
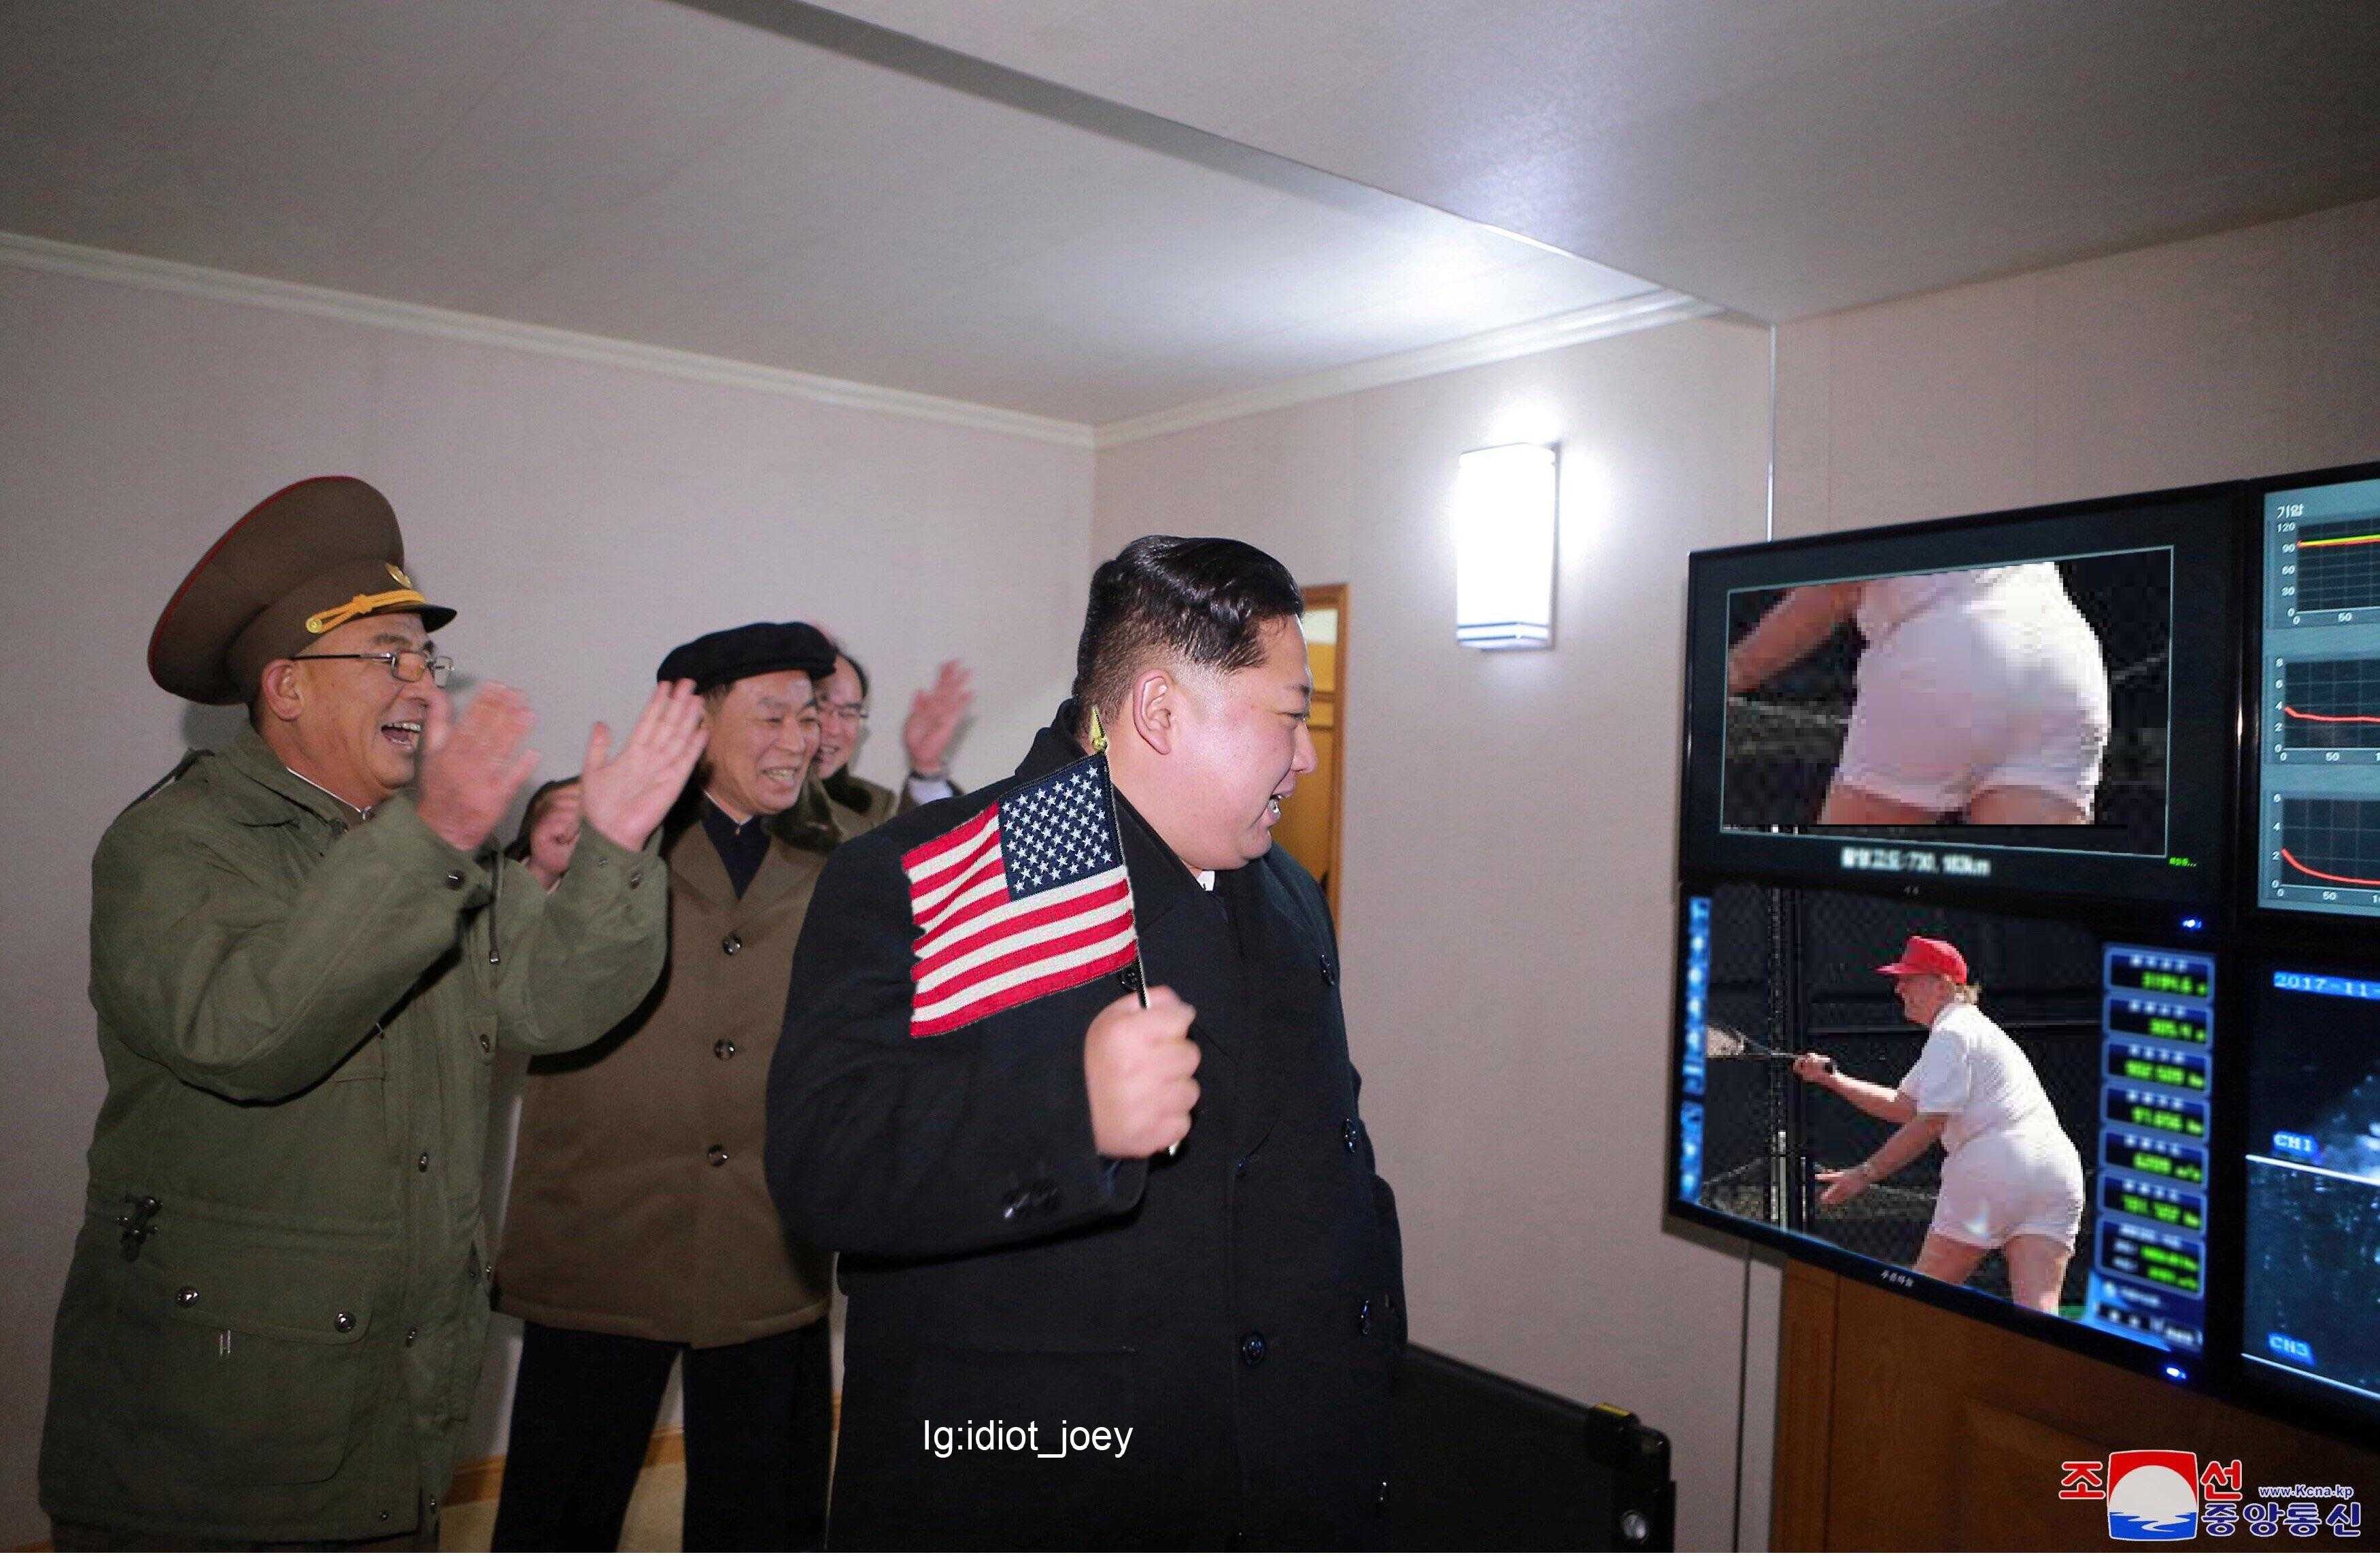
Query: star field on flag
point(1020, 901)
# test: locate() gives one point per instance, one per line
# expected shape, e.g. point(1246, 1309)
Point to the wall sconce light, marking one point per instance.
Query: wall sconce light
point(1504, 527)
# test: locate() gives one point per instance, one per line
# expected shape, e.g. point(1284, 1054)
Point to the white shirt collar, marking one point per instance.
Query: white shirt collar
point(363, 812)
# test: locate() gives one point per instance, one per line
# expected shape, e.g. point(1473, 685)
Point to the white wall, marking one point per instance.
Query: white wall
point(2237, 355)
point(1510, 846)
point(584, 518)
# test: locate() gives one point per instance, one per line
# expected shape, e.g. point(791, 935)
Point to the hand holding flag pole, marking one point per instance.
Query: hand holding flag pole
point(1028, 898)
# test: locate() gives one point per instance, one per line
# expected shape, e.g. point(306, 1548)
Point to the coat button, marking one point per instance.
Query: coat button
point(1330, 971)
point(343, 1321)
point(453, 878)
point(486, 1044)
point(1252, 1349)
point(1364, 1319)
point(422, 1163)
point(731, 945)
point(717, 1155)
point(186, 1298)
point(1240, 1170)
point(635, 880)
point(1380, 1501)
point(723, 1048)
point(412, 1335)
point(1350, 1134)
point(383, 1516)
point(1129, 977)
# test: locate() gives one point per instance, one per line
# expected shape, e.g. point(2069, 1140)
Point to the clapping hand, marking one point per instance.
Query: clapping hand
point(935, 715)
point(472, 767)
point(625, 794)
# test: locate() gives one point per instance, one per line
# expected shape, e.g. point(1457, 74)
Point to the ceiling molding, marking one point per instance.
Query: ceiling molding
point(232, 287)
point(1643, 312)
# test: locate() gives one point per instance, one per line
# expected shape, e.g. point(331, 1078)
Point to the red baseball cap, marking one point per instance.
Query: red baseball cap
point(1926, 956)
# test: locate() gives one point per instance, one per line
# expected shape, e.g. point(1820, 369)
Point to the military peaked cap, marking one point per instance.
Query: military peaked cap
point(318, 553)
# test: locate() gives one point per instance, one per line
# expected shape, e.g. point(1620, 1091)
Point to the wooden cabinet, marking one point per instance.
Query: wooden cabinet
point(1903, 1426)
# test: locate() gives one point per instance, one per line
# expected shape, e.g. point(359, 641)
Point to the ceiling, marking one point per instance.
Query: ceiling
point(636, 169)
point(1780, 157)
point(1096, 211)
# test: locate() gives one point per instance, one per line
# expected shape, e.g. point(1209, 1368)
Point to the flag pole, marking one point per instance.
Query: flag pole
point(1106, 777)
point(1098, 749)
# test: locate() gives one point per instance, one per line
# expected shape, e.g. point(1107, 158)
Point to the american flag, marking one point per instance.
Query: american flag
point(1023, 900)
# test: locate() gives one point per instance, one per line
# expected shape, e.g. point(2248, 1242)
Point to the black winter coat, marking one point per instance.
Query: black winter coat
point(1238, 1306)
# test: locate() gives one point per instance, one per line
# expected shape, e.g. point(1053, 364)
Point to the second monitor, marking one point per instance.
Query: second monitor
point(2042, 700)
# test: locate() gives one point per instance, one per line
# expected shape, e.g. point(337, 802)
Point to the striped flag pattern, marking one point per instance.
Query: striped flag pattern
point(1020, 901)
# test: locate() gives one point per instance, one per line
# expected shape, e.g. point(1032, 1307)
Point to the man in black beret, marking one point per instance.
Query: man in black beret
point(640, 1229)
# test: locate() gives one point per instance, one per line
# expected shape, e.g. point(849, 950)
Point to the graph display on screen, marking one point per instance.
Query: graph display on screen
point(2318, 810)
point(2328, 705)
point(2338, 567)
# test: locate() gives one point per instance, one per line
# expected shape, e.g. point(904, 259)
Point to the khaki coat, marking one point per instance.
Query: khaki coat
point(272, 1325)
point(638, 1204)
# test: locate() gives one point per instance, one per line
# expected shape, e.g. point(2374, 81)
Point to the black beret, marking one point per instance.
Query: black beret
point(754, 649)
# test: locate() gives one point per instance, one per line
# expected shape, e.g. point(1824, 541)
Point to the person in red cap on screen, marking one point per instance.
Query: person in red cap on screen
point(2012, 1179)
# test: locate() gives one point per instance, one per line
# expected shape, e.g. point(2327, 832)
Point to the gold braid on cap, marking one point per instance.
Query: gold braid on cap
point(363, 606)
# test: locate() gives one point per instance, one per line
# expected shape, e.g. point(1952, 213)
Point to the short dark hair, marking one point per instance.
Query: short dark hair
point(1203, 598)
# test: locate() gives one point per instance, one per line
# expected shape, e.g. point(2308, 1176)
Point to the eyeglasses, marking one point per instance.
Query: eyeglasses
point(406, 665)
point(854, 712)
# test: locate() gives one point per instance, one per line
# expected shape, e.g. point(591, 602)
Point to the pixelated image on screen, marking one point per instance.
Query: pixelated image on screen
point(2024, 705)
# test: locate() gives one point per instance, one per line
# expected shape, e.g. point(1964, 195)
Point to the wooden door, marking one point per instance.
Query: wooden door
point(1309, 819)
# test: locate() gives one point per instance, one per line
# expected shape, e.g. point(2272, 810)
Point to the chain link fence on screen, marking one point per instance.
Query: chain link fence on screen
point(1794, 971)
point(1784, 739)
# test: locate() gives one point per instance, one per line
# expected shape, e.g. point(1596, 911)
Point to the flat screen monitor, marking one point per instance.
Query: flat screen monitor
point(2310, 1311)
point(2080, 1103)
point(2043, 702)
point(2316, 695)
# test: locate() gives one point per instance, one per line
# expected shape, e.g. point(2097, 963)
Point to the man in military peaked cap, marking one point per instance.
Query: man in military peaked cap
point(640, 1234)
point(302, 958)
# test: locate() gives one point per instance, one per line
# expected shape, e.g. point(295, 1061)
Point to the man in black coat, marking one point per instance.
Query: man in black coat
point(1119, 1276)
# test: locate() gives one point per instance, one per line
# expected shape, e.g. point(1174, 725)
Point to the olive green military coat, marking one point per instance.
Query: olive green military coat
point(638, 1204)
point(273, 1324)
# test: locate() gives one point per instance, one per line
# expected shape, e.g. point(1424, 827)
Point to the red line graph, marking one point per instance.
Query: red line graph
point(2329, 876)
point(2332, 719)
